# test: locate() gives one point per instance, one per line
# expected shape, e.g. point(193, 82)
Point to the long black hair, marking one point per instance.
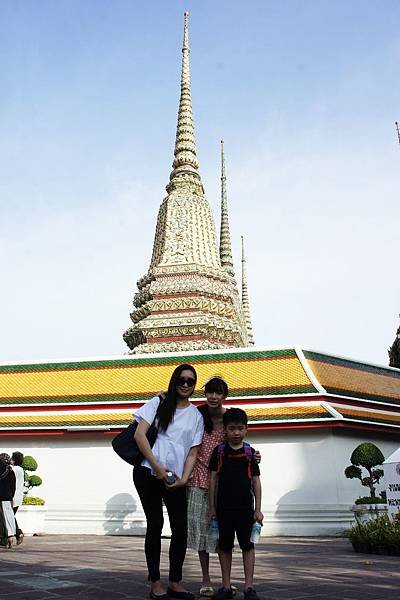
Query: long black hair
point(167, 407)
point(17, 458)
point(219, 386)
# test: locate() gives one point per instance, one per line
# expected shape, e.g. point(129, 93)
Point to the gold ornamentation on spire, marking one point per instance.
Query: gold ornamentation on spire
point(225, 248)
point(185, 165)
point(245, 300)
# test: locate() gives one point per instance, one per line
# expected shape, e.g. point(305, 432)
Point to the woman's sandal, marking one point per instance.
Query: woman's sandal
point(180, 595)
point(20, 538)
point(207, 591)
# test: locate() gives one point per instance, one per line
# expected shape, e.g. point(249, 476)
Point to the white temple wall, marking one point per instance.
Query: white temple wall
point(88, 489)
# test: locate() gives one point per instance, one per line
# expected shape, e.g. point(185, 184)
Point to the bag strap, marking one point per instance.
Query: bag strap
point(246, 452)
point(249, 456)
point(161, 398)
point(220, 456)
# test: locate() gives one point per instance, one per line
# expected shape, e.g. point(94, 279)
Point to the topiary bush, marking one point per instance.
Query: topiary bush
point(368, 456)
point(29, 464)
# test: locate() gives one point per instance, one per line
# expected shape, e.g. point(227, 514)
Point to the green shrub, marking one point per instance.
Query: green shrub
point(29, 464)
point(370, 500)
point(31, 500)
point(34, 481)
point(380, 534)
point(368, 456)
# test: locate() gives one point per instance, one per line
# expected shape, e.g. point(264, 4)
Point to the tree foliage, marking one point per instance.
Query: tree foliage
point(29, 463)
point(367, 455)
point(353, 472)
point(33, 481)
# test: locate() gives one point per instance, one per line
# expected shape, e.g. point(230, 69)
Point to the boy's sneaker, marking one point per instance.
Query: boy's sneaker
point(223, 594)
point(250, 594)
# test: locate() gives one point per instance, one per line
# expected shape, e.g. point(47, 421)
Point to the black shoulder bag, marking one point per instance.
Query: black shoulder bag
point(124, 444)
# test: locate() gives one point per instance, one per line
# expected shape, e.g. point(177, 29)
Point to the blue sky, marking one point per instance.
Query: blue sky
point(305, 94)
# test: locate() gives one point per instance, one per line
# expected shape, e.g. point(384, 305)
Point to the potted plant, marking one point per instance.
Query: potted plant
point(393, 537)
point(358, 537)
point(367, 456)
point(377, 536)
point(31, 514)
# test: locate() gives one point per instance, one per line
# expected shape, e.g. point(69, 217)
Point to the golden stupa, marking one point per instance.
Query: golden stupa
point(188, 299)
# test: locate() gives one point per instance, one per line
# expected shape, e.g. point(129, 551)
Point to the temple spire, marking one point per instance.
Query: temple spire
point(225, 248)
point(185, 165)
point(245, 300)
point(186, 300)
point(394, 351)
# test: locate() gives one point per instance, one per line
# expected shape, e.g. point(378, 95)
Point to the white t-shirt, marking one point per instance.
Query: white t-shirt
point(172, 446)
point(19, 485)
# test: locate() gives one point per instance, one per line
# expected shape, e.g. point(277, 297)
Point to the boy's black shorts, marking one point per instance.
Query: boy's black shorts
point(235, 521)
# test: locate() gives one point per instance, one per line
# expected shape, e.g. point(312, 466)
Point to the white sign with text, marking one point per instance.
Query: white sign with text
point(391, 466)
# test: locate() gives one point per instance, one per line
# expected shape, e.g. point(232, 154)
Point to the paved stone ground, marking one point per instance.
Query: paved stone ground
point(113, 568)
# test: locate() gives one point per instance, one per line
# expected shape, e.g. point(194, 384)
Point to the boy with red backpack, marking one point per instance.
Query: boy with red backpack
point(235, 500)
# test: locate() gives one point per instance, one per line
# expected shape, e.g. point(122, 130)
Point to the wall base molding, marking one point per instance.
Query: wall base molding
point(279, 520)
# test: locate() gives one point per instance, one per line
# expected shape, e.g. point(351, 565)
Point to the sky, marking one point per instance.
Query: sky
point(305, 94)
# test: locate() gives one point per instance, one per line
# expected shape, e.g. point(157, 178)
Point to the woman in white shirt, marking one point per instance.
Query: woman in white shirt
point(16, 462)
point(180, 431)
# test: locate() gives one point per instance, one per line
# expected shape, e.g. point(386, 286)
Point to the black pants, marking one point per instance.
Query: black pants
point(18, 530)
point(152, 492)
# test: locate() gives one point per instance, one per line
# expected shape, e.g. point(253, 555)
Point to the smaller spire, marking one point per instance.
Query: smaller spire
point(394, 351)
point(225, 248)
point(398, 130)
point(245, 300)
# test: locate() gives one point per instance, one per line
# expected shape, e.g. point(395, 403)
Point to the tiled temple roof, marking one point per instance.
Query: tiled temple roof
point(112, 419)
point(343, 377)
point(277, 388)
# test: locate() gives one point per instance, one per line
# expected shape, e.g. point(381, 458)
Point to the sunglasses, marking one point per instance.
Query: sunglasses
point(188, 380)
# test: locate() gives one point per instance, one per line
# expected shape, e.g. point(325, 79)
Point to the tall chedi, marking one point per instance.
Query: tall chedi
point(188, 299)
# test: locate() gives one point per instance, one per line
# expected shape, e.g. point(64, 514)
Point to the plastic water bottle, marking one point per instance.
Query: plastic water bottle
point(213, 532)
point(170, 478)
point(255, 532)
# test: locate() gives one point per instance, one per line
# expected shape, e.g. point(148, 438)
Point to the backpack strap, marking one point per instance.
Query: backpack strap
point(220, 456)
point(246, 450)
point(249, 456)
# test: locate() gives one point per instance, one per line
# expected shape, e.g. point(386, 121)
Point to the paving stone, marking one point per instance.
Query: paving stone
point(114, 568)
point(43, 583)
point(29, 595)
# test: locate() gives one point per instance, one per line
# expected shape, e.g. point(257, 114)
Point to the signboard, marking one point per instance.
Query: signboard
point(391, 466)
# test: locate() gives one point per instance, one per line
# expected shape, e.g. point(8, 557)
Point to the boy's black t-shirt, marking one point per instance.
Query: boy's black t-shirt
point(234, 484)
